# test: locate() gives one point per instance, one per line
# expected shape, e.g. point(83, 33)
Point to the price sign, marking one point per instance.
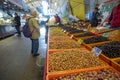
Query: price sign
point(106, 35)
point(93, 31)
point(96, 51)
point(80, 41)
point(71, 36)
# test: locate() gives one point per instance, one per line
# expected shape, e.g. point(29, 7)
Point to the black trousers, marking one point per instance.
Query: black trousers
point(17, 27)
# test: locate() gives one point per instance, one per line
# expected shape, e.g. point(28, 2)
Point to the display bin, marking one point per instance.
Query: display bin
point(59, 38)
point(66, 46)
point(64, 71)
point(56, 75)
point(99, 43)
point(114, 63)
point(101, 56)
point(75, 34)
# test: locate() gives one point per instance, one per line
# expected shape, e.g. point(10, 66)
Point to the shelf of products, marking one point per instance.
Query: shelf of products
point(66, 62)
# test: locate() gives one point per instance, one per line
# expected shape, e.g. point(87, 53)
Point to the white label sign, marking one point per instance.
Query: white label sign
point(96, 51)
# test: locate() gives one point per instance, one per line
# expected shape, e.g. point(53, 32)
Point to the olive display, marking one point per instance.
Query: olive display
point(104, 74)
point(60, 38)
point(72, 59)
point(56, 32)
point(95, 39)
point(84, 35)
point(64, 45)
point(111, 50)
point(75, 31)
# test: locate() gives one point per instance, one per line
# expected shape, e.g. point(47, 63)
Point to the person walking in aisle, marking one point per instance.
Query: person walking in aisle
point(35, 29)
point(114, 19)
point(17, 24)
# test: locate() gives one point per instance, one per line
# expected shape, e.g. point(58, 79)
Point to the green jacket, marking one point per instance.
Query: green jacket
point(34, 27)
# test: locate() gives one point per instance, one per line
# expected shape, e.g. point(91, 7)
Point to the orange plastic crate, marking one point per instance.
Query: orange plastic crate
point(52, 42)
point(64, 71)
point(51, 76)
point(115, 64)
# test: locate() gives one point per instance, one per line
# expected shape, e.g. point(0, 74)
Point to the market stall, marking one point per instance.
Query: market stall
point(64, 60)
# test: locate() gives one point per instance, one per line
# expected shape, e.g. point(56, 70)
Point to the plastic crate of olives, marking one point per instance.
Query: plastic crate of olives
point(111, 49)
point(95, 39)
point(107, 73)
point(67, 60)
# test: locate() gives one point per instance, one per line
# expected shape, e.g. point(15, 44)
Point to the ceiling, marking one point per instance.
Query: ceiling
point(54, 5)
point(5, 5)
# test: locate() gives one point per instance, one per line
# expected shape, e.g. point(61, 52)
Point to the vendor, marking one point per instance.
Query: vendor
point(94, 20)
point(114, 19)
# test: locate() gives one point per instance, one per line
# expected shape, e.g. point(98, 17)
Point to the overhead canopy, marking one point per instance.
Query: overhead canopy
point(77, 7)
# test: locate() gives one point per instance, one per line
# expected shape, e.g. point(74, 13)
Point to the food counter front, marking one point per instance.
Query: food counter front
point(6, 30)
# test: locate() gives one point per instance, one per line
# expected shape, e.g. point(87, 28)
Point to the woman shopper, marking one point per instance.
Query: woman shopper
point(35, 29)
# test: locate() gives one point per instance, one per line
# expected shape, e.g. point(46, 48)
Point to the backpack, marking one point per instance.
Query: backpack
point(26, 30)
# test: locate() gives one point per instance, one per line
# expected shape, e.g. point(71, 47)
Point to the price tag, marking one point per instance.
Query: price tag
point(80, 41)
point(96, 51)
point(78, 28)
point(93, 31)
point(71, 36)
point(106, 35)
point(64, 30)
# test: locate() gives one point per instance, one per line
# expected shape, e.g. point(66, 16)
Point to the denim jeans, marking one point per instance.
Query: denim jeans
point(35, 46)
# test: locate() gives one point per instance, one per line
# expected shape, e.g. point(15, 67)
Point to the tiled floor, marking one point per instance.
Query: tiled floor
point(16, 61)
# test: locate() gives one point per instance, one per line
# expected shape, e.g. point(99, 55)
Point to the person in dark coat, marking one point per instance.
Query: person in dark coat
point(114, 19)
point(17, 23)
point(94, 20)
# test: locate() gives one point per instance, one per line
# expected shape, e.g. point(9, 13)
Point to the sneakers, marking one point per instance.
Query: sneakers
point(36, 54)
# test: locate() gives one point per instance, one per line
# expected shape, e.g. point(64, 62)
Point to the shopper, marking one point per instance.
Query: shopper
point(94, 19)
point(114, 19)
point(17, 23)
point(35, 29)
point(57, 19)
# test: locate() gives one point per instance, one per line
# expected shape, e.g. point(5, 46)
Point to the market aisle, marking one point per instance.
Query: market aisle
point(16, 61)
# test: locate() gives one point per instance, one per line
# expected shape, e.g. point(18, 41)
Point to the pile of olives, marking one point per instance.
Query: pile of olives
point(95, 39)
point(111, 50)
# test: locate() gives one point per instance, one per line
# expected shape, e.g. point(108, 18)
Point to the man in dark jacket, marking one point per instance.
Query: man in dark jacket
point(114, 19)
point(17, 23)
point(94, 19)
